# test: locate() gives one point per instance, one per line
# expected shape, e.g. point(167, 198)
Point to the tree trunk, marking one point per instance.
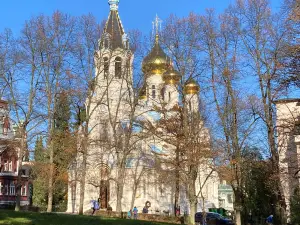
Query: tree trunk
point(82, 185)
point(73, 189)
point(50, 190)
point(193, 203)
point(193, 211)
point(133, 196)
point(119, 197)
point(19, 179)
point(120, 187)
point(238, 206)
point(50, 182)
point(203, 208)
point(83, 173)
point(238, 218)
point(192, 194)
point(176, 200)
point(51, 148)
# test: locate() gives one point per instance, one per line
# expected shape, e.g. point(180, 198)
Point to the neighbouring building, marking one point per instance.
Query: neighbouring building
point(114, 60)
point(9, 162)
point(226, 196)
point(288, 141)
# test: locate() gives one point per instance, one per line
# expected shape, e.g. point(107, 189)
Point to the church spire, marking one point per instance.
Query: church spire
point(114, 35)
point(113, 4)
point(156, 27)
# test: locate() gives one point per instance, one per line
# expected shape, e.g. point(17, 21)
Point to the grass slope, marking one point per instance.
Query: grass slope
point(29, 218)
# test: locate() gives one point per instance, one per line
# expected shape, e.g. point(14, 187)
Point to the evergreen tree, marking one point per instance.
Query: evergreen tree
point(62, 137)
point(257, 184)
point(62, 114)
point(63, 149)
point(39, 175)
point(39, 150)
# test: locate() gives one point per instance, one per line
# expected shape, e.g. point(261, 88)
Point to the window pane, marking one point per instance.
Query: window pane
point(153, 91)
point(118, 67)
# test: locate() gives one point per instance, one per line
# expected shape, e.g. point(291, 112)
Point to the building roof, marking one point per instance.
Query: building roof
point(156, 58)
point(191, 87)
point(3, 104)
point(286, 100)
point(114, 28)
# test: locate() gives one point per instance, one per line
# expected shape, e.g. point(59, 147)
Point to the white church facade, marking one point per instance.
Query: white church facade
point(288, 141)
point(124, 152)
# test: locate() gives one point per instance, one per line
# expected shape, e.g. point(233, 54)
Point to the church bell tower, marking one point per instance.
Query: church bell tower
point(113, 62)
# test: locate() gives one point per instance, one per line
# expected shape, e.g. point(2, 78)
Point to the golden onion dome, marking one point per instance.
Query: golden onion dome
point(143, 92)
point(191, 87)
point(171, 76)
point(156, 62)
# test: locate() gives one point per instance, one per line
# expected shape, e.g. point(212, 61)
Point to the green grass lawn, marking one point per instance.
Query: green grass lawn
point(29, 218)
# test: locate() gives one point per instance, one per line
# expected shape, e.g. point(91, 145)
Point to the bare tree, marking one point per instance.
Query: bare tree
point(19, 66)
point(181, 41)
point(290, 68)
point(263, 35)
point(50, 40)
point(84, 88)
point(237, 121)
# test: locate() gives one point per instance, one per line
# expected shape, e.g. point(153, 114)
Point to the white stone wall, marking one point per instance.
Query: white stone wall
point(192, 101)
point(171, 96)
point(156, 81)
point(288, 115)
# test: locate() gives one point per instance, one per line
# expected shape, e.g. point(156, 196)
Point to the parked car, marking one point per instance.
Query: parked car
point(212, 219)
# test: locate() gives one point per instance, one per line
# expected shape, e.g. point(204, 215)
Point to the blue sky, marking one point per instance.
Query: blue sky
point(135, 14)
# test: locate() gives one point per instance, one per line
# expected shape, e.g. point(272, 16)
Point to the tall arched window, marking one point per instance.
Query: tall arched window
point(162, 93)
point(118, 67)
point(153, 92)
point(106, 67)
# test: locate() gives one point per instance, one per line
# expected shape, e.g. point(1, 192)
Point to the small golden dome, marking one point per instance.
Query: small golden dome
point(191, 87)
point(143, 92)
point(156, 62)
point(171, 76)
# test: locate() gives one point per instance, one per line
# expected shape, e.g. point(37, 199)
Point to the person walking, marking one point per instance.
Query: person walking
point(135, 212)
point(270, 220)
point(95, 205)
point(129, 214)
point(145, 210)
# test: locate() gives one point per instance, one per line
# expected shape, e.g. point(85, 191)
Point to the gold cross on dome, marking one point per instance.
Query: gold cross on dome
point(157, 25)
